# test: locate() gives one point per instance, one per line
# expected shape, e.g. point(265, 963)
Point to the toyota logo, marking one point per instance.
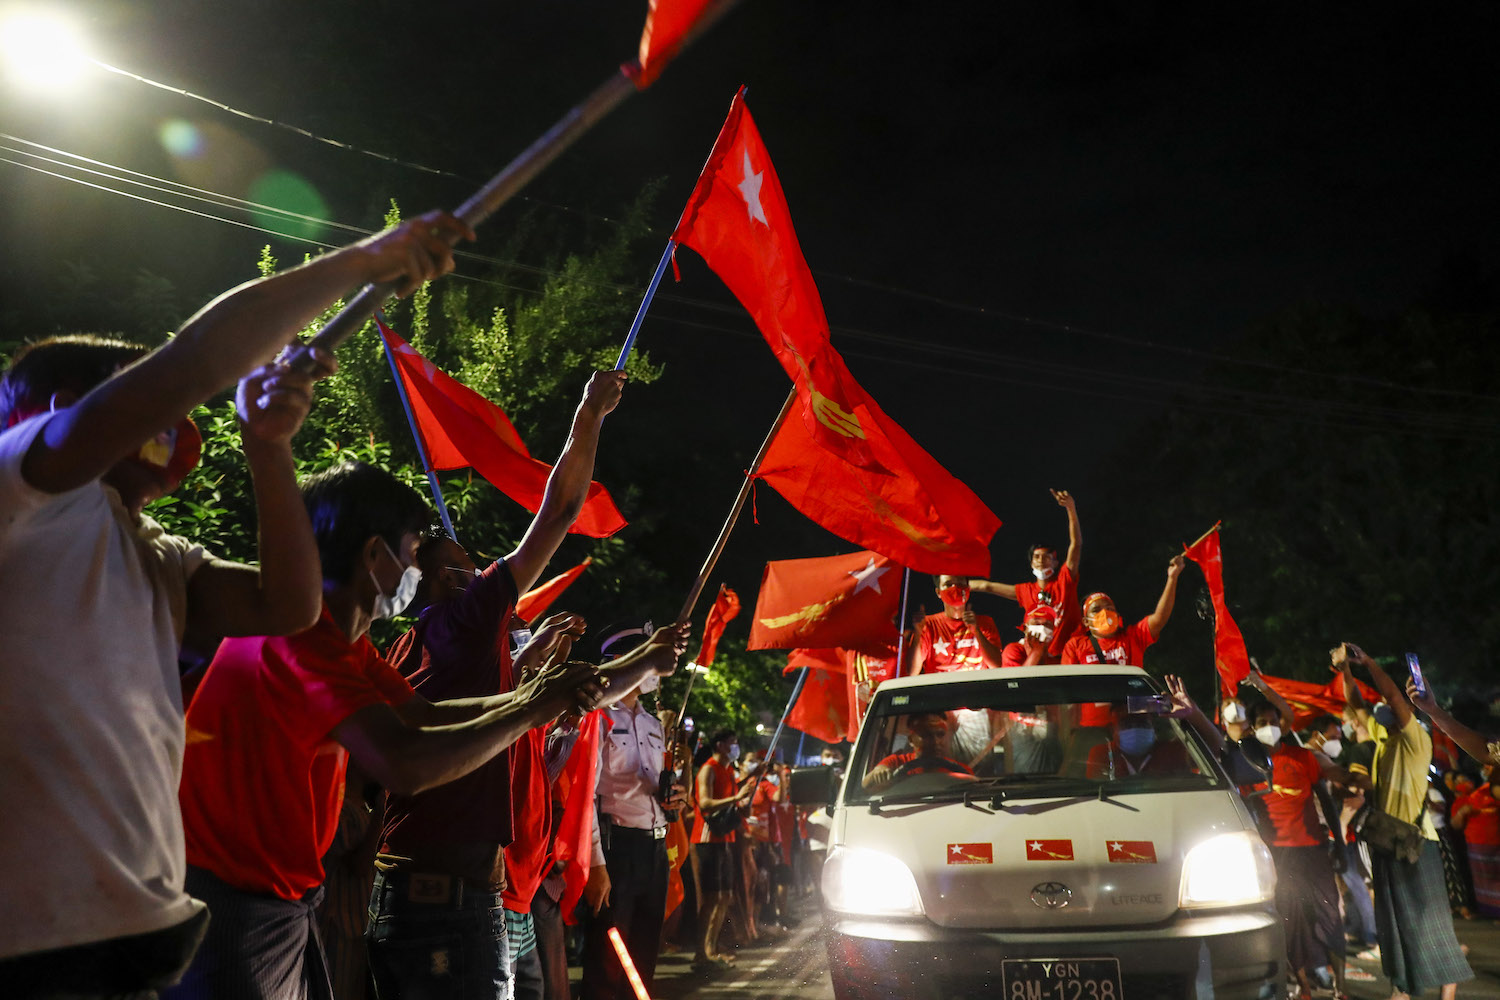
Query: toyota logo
point(1051, 895)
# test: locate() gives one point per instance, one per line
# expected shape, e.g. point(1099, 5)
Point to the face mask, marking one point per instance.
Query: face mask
point(1332, 748)
point(1105, 621)
point(826, 761)
point(1233, 712)
point(1041, 633)
point(1137, 740)
point(389, 606)
point(1269, 735)
point(1348, 728)
point(650, 683)
point(734, 751)
point(954, 596)
point(1042, 574)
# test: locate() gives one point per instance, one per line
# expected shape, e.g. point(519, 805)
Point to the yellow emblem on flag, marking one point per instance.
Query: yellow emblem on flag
point(809, 615)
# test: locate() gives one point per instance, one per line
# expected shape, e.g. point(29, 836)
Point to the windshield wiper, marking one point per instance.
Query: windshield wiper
point(1006, 786)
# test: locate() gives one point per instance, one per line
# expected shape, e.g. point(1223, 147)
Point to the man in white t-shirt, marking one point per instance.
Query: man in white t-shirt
point(97, 597)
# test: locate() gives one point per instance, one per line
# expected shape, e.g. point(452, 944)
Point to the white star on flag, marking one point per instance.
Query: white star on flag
point(750, 191)
point(869, 577)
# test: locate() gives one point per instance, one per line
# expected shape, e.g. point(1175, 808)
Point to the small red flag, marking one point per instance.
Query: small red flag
point(461, 429)
point(531, 605)
point(1131, 852)
point(848, 601)
point(822, 709)
point(1230, 657)
point(971, 854)
point(667, 23)
point(726, 606)
point(1049, 850)
point(573, 848)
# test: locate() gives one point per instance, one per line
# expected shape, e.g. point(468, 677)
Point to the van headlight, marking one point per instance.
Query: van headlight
point(1232, 869)
point(869, 882)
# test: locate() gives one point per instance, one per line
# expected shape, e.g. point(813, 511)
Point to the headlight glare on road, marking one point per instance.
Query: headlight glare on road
point(869, 883)
point(1232, 869)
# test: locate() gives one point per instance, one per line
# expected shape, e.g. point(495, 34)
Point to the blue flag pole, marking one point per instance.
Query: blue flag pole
point(411, 420)
point(640, 314)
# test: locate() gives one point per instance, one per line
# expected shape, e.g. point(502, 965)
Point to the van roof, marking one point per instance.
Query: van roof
point(1049, 670)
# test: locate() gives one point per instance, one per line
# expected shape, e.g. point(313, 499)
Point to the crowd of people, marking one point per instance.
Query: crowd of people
point(306, 816)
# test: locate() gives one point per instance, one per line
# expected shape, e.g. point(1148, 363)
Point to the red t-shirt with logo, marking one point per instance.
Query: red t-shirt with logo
point(1059, 593)
point(1127, 646)
point(949, 644)
point(1291, 803)
point(262, 777)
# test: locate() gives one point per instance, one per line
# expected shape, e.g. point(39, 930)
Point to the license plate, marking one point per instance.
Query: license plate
point(1061, 979)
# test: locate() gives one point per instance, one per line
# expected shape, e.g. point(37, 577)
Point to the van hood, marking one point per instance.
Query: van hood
point(1046, 863)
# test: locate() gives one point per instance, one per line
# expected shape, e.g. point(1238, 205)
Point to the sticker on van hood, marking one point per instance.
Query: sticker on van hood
point(971, 854)
point(1132, 852)
point(1049, 850)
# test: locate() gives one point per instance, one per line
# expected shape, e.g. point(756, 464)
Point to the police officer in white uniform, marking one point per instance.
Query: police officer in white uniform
point(632, 830)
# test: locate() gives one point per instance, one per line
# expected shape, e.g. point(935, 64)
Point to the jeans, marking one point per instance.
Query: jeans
point(438, 937)
point(1359, 919)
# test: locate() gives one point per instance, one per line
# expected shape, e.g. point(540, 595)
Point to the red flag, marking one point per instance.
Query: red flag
point(846, 601)
point(726, 606)
point(831, 660)
point(841, 461)
point(667, 22)
point(461, 429)
point(1309, 699)
point(535, 601)
point(1230, 657)
point(822, 708)
point(573, 847)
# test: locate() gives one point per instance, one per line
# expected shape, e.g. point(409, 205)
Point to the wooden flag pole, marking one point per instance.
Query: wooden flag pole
point(1210, 531)
point(411, 420)
point(734, 511)
point(504, 185)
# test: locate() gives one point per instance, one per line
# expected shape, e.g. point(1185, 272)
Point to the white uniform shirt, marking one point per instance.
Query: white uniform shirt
point(91, 731)
point(631, 756)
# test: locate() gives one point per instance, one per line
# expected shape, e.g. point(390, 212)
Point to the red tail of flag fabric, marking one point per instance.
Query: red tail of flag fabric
point(1310, 699)
point(461, 429)
point(667, 23)
point(848, 600)
point(573, 846)
point(1230, 657)
point(726, 606)
point(822, 709)
point(840, 460)
point(538, 599)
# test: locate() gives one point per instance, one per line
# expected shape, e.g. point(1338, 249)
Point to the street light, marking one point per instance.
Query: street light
point(42, 51)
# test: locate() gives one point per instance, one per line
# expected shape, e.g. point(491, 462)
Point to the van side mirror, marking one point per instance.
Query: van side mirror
point(813, 786)
point(1247, 761)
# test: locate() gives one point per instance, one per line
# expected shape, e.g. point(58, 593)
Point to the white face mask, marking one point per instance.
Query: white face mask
point(734, 752)
point(1041, 633)
point(1332, 748)
point(1269, 735)
point(391, 605)
point(649, 683)
point(1042, 574)
point(1233, 712)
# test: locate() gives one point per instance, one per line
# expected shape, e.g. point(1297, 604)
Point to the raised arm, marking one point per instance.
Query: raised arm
point(1075, 533)
point(239, 330)
point(1258, 681)
point(1158, 619)
point(1005, 590)
point(568, 486)
point(1392, 694)
point(658, 655)
point(1472, 742)
point(1184, 707)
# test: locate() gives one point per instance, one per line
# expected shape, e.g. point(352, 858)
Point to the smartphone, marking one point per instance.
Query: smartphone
point(1416, 673)
point(1147, 704)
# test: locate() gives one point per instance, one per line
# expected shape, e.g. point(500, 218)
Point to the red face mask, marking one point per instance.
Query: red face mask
point(955, 596)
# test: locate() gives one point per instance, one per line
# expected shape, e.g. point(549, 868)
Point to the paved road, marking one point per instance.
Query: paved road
point(796, 967)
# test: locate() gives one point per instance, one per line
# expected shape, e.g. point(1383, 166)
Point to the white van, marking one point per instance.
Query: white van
point(1069, 841)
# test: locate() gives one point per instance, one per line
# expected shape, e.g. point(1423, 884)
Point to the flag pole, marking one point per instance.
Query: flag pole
point(504, 185)
point(640, 314)
point(1210, 531)
point(901, 625)
point(411, 420)
point(734, 512)
point(770, 749)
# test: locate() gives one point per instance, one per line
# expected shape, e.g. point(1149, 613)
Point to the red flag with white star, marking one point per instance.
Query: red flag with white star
point(846, 601)
point(839, 459)
point(461, 429)
point(1230, 657)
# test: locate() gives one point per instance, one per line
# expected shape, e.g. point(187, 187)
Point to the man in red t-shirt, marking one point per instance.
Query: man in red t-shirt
point(715, 793)
point(954, 638)
point(1055, 586)
point(1108, 640)
point(275, 720)
point(931, 749)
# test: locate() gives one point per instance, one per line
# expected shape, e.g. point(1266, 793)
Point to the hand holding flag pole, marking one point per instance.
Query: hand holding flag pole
point(671, 26)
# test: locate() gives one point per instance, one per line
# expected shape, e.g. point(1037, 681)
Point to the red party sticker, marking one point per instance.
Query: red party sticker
point(1132, 852)
point(1049, 850)
point(971, 854)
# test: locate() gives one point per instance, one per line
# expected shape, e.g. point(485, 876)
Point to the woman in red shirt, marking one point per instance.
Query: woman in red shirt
point(1478, 816)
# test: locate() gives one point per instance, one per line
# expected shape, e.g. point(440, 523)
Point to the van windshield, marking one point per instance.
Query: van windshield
point(1030, 735)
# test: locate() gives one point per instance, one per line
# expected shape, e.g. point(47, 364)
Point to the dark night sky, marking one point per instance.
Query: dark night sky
point(1159, 171)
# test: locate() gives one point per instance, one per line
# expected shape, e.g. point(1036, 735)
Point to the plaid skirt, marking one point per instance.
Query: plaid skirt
point(1418, 949)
